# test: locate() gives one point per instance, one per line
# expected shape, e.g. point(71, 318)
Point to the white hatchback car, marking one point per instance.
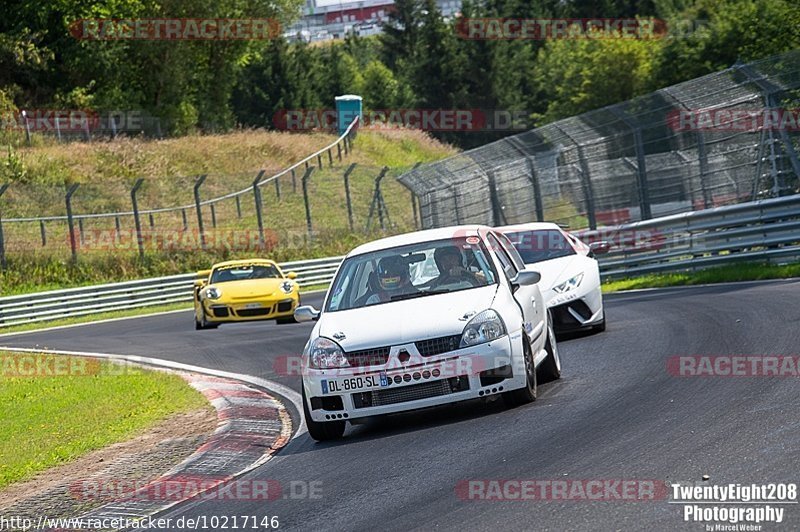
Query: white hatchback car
point(570, 274)
point(423, 319)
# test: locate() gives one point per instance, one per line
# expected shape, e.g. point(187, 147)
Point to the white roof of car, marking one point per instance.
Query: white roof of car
point(532, 226)
point(427, 235)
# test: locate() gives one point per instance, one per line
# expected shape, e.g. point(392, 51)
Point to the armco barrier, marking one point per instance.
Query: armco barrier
point(57, 304)
point(761, 231)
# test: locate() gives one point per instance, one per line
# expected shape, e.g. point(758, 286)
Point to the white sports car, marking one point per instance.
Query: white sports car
point(570, 274)
point(423, 319)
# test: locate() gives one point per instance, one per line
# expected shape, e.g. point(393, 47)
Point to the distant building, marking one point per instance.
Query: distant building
point(333, 19)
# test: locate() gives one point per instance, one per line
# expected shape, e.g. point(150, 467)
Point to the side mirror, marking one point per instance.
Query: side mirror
point(525, 278)
point(306, 313)
point(600, 247)
point(291, 275)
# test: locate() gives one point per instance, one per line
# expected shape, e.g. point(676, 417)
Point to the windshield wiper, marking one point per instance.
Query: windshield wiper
point(413, 295)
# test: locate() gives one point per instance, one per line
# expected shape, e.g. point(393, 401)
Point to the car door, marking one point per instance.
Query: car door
point(528, 297)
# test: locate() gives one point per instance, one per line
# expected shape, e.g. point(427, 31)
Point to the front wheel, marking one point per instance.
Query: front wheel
point(526, 394)
point(322, 430)
point(550, 368)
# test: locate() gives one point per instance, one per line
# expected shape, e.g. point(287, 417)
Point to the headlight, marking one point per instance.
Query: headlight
point(326, 354)
point(483, 328)
point(287, 287)
point(212, 292)
point(569, 284)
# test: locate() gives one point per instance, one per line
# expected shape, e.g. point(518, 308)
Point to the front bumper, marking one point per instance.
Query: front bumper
point(267, 309)
point(459, 375)
point(576, 311)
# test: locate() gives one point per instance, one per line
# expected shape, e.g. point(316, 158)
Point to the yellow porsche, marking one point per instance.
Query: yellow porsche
point(244, 290)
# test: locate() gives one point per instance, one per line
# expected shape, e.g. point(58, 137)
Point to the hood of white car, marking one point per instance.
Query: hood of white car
point(556, 271)
point(400, 322)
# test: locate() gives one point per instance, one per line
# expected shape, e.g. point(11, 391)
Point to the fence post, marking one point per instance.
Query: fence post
point(197, 183)
point(152, 221)
point(43, 233)
point(703, 160)
point(259, 216)
point(278, 187)
point(27, 127)
point(537, 193)
point(330, 157)
point(294, 182)
point(185, 220)
point(3, 188)
point(238, 207)
point(377, 201)
point(70, 222)
point(213, 216)
point(319, 160)
point(339, 151)
point(80, 230)
point(137, 222)
point(498, 218)
point(304, 182)
point(347, 194)
point(118, 230)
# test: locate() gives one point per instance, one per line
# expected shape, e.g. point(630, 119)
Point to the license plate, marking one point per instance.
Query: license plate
point(253, 305)
point(354, 384)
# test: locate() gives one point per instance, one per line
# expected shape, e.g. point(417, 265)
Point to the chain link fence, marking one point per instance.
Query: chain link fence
point(725, 138)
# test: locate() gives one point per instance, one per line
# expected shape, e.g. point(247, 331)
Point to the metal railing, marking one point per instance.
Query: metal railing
point(760, 231)
point(83, 301)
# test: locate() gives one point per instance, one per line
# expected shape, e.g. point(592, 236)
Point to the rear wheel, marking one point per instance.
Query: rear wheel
point(550, 369)
point(322, 430)
point(526, 394)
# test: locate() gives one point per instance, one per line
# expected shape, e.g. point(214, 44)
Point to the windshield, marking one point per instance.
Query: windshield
point(541, 245)
point(241, 272)
point(416, 270)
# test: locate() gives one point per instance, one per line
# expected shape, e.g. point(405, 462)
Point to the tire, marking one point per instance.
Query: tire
point(203, 323)
point(528, 393)
point(283, 321)
point(550, 369)
point(322, 430)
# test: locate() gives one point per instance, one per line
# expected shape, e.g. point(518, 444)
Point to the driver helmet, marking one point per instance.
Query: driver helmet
point(392, 273)
point(447, 251)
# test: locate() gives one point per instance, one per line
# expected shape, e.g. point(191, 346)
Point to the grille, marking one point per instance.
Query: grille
point(413, 392)
point(250, 312)
point(562, 316)
point(437, 346)
point(284, 306)
point(220, 312)
point(368, 357)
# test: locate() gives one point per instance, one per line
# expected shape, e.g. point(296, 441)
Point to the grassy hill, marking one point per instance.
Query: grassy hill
point(107, 170)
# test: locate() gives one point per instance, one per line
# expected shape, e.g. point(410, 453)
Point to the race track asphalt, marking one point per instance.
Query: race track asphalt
point(617, 413)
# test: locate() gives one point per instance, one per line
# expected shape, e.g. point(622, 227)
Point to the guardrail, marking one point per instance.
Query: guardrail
point(83, 301)
point(761, 231)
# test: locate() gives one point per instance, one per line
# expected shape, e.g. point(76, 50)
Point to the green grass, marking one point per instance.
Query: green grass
point(52, 420)
point(106, 171)
point(720, 274)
